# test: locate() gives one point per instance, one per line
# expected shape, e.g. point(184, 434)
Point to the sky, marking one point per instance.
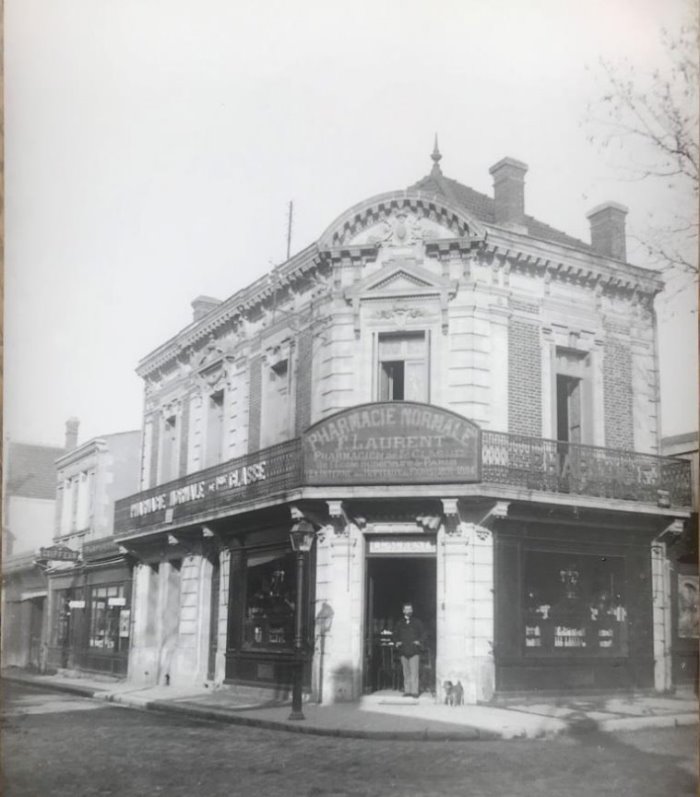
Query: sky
point(152, 148)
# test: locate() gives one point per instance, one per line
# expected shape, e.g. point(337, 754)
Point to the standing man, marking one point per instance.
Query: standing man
point(409, 636)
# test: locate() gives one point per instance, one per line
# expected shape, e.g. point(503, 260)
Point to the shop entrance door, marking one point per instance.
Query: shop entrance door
point(391, 582)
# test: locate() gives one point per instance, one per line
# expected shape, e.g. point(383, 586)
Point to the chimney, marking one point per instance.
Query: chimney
point(608, 230)
point(72, 425)
point(509, 191)
point(203, 305)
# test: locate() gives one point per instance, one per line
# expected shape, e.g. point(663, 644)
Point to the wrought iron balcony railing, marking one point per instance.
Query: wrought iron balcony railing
point(555, 467)
point(514, 461)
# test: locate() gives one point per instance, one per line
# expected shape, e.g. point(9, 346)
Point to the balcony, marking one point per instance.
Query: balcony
point(513, 461)
point(554, 467)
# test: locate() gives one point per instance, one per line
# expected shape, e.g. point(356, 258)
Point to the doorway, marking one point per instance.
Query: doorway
point(391, 582)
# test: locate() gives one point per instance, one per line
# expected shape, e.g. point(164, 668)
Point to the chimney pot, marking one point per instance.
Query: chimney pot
point(72, 425)
point(608, 230)
point(203, 305)
point(509, 191)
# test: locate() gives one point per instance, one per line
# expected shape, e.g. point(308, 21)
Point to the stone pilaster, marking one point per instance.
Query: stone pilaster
point(479, 615)
point(168, 618)
point(189, 663)
point(143, 650)
point(452, 557)
point(465, 604)
point(661, 616)
point(339, 602)
point(222, 629)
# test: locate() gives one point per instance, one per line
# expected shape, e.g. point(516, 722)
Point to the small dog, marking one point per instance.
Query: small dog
point(454, 693)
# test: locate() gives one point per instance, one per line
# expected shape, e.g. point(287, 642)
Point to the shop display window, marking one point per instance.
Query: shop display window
point(109, 618)
point(270, 601)
point(574, 605)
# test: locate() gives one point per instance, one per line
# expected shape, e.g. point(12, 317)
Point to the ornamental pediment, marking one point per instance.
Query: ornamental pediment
point(402, 220)
point(400, 278)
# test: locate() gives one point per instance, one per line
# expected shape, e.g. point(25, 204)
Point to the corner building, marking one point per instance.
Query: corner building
point(463, 402)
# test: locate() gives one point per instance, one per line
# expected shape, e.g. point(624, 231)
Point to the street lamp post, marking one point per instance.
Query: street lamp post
point(301, 537)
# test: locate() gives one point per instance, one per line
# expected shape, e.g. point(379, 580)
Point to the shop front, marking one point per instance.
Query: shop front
point(526, 576)
point(91, 613)
point(264, 575)
point(24, 617)
point(574, 608)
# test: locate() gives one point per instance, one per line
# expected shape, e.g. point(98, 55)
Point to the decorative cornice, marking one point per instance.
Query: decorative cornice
point(559, 261)
point(236, 308)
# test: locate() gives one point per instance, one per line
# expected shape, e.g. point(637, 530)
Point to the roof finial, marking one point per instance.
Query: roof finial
point(436, 157)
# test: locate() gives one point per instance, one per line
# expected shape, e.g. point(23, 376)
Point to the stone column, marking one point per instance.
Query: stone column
point(222, 630)
point(452, 556)
point(340, 597)
point(465, 606)
point(479, 616)
point(168, 618)
point(189, 665)
point(143, 650)
point(661, 617)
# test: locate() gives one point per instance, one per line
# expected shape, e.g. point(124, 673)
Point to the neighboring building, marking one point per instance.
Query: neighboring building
point(683, 572)
point(89, 577)
point(29, 498)
point(463, 402)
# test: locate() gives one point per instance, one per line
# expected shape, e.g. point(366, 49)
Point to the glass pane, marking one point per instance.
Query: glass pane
point(416, 381)
point(574, 604)
point(270, 599)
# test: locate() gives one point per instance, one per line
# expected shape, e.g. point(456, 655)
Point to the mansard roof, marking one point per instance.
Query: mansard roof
point(481, 207)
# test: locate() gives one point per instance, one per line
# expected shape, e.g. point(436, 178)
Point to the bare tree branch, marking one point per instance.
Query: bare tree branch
point(659, 111)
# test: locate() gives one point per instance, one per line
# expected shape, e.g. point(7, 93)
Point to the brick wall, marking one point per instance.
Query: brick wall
point(524, 379)
point(617, 387)
point(303, 382)
point(254, 403)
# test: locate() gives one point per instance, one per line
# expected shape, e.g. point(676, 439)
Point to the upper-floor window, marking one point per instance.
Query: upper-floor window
point(66, 506)
point(82, 518)
point(215, 429)
point(403, 366)
point(573, 397)
point(276, 399)
point(169, 450)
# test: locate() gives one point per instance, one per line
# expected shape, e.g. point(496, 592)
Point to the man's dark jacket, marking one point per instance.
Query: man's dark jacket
point(409, 637)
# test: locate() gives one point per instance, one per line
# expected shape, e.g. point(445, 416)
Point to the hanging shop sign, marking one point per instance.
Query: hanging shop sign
point(392, 443)
point(59, 553)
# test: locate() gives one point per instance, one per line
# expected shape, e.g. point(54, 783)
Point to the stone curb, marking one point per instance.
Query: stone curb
point(576, 726)
point(468, 735)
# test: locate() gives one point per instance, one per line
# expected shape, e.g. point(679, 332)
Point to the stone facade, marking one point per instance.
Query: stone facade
point(435, 295)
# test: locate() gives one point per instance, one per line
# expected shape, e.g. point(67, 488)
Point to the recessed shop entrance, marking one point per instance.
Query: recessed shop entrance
point(391, 582)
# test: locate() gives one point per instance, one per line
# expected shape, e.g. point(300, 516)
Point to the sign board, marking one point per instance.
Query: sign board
point(236, 479)
point(76, 604)
point(60, 553)
point(124, 621)
point(408, 546)
point(116, 601)
point(392, 443)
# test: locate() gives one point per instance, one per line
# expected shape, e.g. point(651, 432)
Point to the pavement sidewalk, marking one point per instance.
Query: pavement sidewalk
point(387, 715)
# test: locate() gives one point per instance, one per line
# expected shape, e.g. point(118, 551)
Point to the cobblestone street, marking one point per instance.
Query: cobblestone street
point(56, 745)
